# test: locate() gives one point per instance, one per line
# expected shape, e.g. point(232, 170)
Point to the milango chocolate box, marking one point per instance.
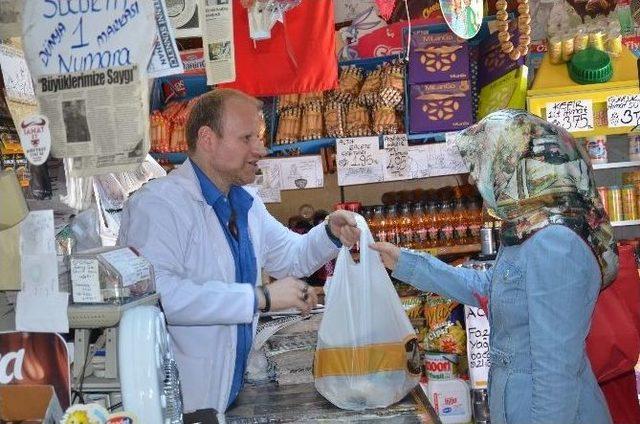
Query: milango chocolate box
point(493, 62)
point(443, 106)
point(437, 58)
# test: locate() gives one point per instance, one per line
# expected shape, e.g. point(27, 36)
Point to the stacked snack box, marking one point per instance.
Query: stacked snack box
point(439, 79)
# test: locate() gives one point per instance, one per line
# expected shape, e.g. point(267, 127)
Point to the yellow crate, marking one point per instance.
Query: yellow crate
point(553, 84)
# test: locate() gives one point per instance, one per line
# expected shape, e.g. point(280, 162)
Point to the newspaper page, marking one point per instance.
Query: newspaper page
point(10, 18)
point(165, 59)
point(98, 115)
point(217, 39)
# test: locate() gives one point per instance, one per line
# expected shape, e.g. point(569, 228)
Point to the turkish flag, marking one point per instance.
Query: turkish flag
point(299, 57)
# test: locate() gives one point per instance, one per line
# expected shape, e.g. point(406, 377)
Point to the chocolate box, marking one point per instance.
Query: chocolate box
point(443, 106)
point(437, 58)
point(493, 62)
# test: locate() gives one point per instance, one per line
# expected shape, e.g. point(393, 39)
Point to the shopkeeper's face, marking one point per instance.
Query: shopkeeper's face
point(235, 155)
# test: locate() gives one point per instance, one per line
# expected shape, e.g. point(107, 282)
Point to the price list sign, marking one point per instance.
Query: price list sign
point(396, 147)
point(358, 160)
point(573, 116)
point(623, 111)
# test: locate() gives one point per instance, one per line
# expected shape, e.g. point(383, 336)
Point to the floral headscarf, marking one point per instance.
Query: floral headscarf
point(532, 174)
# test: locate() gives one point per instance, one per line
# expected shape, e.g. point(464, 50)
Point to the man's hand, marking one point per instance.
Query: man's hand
point(343, 226)
point(289, 293)
point(389, 253)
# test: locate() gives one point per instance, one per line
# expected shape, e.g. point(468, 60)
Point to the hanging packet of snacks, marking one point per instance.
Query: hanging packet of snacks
point(334, 119)
point(445, 325)
point(287, 101)
point(385, 120)
point(358, 122)
point(289, 126)
point(370, 91)
point(349, 84)
point(311, 125)
point(392, 84)
point(307, 99)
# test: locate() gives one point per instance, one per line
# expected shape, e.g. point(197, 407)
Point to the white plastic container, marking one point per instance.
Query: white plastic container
point(451, 400)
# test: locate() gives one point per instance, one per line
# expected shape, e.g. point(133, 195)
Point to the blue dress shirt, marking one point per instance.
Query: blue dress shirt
point(230, 211)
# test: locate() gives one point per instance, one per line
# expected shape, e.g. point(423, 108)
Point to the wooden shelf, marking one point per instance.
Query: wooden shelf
point(625, 223)
point(614, 165)
point(453, 250)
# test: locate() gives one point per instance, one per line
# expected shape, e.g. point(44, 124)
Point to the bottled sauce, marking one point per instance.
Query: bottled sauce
point(390, 225)
point(377, 224)
point(405, 227)
point(445, 222)
point(433, 228)
point(460, 222)
point(420, 228)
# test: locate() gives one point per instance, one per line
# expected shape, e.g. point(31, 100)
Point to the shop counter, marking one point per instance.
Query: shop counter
point(270, 403)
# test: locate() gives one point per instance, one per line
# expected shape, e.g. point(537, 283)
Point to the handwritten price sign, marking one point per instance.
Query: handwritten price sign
point(623, 111)
point(358, 160)
point(573, 116)
point(397, 150)
point(61, 37)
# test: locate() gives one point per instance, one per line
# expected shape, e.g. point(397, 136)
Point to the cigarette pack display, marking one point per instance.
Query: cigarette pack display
point(440, 107)
point(437, 58)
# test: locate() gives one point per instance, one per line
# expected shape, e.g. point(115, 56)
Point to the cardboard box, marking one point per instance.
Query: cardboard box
point(29, 405)
point(507, 92)
point(494, 63)
point(444, 106)
point(437, 58)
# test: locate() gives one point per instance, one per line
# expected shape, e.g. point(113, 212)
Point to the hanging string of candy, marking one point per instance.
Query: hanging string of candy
point(524, 27)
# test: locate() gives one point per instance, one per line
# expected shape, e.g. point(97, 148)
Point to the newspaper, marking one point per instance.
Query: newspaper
point(99, 115)
point(165, 59)
point(217, 40)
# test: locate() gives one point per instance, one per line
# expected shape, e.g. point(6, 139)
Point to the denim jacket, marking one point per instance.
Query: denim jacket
point(541, 297)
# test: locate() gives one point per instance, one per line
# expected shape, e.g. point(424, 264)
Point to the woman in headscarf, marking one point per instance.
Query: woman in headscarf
point(557, 252)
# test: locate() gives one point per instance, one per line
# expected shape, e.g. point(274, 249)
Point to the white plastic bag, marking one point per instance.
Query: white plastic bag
point(367, 353)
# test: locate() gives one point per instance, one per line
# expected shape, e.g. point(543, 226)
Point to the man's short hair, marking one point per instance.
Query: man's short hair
point(208, 111)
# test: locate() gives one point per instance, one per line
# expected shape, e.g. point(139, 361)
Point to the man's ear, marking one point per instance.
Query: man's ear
point(205, 138)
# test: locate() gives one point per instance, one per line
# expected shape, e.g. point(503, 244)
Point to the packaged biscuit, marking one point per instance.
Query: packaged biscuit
point(445, 325)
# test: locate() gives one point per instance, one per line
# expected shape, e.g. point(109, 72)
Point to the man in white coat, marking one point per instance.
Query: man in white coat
point(208, 238)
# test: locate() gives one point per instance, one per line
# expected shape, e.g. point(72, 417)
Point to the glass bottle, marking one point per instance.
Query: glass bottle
point(460, 222)
point(377, 224)
point(475, 216)
point(420, 227)
point(433, 225)
point(390, 225)
point(445, 221)
point(405, 227)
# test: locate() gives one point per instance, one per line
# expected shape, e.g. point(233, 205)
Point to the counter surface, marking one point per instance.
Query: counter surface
point(302, 403)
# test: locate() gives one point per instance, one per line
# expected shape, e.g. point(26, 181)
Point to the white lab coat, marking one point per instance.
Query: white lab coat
point(171, 224)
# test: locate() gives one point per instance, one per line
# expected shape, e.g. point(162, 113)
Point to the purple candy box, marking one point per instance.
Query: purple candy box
point(437, 58)
point(443, 106)
point(495, 64)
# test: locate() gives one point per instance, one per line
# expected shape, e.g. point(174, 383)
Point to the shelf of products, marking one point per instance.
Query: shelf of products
point(625, 223)
point(615, 165)
point(553, 84)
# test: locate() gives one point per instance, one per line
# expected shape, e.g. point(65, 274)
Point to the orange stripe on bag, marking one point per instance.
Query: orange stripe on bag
point(360, 360)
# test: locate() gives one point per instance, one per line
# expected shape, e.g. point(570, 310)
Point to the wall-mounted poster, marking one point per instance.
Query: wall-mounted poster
point(464, 17)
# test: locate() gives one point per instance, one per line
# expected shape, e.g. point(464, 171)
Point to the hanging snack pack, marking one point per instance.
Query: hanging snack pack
point(445, 325)
point(367, 353)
